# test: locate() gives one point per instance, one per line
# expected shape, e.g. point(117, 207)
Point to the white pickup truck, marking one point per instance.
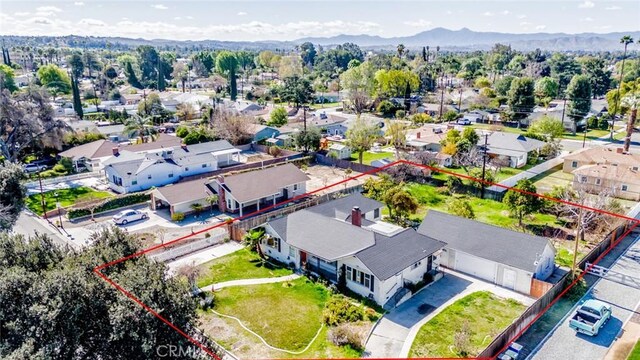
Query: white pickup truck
point(590, 317)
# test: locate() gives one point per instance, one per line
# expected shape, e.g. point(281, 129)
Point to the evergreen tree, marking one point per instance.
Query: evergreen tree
point(77, 103)
point(131, 76)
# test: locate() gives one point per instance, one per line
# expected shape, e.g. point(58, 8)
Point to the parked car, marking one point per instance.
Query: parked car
point(590, 317)
point(512, 353)
point(464, 121)
point(127, 216)
point(33, 168)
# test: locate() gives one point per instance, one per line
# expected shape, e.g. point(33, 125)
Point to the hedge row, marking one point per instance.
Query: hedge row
point(111, 204)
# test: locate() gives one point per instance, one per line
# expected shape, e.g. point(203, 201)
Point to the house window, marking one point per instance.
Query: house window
point(415, 266)
point(149, 177)
point(360, 277)
point(624, 187)
point(170, 175)
point(295, 187)
point(574, 164)
point(614, 164)
point(598, 181)
point(272, 242)
point(134, 182)
point(583, 179)
point(204, 165)
point(635, 168)
point(376, 213)
point(292, 252)
point(186, 169)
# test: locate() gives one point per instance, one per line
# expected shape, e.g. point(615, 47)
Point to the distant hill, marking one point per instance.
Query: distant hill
point(462, 40)
point(475, 40)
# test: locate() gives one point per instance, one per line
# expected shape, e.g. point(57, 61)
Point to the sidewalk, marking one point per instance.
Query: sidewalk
point(623, 346)
point(245, 282)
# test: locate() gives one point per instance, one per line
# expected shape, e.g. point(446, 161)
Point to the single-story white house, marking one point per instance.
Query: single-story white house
point(501, 256)
point(515, 147)
point(339, 151)
point(344, 241)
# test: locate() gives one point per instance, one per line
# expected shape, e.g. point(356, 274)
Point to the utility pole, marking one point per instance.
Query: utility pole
point(44, 203)
point(484, 165)
point(441, 100)
point(575, 249)
point(460, 101)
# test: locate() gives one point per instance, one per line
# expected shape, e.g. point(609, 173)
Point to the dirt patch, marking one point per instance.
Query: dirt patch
point(322, 176)
point(235, 339)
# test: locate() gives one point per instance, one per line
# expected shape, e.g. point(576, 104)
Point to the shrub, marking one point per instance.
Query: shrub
point(346, 334)
point(400, 114)
point(386, 107)
point(182, 132)
point(275, 151)
point(177, 216)
point(207, 235)
point(340, 310)
point(110, 204)
point(422, 118)
point(59, 168)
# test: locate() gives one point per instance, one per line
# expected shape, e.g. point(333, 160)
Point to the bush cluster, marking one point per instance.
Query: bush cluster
point(340, 310)
point(110, 204)
point(346, 334)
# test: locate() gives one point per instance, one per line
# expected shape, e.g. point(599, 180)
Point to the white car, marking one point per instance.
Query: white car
point(32, 168)
point(127, 216)
point(464, 121)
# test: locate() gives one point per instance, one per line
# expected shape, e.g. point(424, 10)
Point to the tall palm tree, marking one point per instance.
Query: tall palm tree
point(631, 101)
point(401, 48)
point(625, 40)
point(142, 127)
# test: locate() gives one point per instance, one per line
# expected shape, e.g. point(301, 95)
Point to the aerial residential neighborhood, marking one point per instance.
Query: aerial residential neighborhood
point(316, 180)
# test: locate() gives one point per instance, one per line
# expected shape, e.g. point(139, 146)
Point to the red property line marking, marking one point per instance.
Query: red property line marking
point(98, 269)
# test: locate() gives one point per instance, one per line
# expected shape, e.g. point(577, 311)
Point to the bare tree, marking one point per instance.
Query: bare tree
point(468, 159)
point(233, 127)
point(191, 272)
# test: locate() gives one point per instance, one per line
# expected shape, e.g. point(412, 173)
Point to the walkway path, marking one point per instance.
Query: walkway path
point(394, 334)
point(245, 282)
point(208, 254)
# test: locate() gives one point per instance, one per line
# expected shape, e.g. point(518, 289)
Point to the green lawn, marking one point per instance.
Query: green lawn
point(242, 264)
point(487, 315)
point(486, 210)
point(368, 157)
point(286, 317)
point(326, 105)
point(503, 174)
point(66, 197)
point(591, 134)
point(635, 353)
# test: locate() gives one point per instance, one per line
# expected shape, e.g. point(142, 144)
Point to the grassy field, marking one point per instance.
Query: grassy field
point(635, 353)
point(66, 197)
point(242, 264)
point(286, 317)
point(487, 315)
point(326, 105)
point(591, 134)
point(545, 181)
point(503, 174)
point(368, 156)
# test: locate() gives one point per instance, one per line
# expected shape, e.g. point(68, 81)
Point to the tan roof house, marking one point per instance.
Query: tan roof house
point(596, 156)
point(620, 180)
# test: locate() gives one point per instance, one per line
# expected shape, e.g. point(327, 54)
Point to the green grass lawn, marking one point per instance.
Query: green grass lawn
point(486, 210)
point(487, 315)
point(326, 105)
point(242, 264)
point(591, 134)
point(635, 353)
point(503, 174)
point(66, 197)
point(286, 317)
point(368, 157)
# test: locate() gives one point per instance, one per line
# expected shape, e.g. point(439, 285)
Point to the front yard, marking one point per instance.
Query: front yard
point(482, 314)
point(66, 197)
point(287, 315)
point(242, 264)
point(368, 157)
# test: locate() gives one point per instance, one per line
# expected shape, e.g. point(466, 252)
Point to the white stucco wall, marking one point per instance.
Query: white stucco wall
point(546, 264)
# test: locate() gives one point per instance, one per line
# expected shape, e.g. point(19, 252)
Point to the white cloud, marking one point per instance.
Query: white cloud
point(541, 27)
point(587, 19)
point(47, 11)
point(488, 13)
point(418, 23)
point(522, 16)
point(78, 3)
point(21, 13)
point(605, 27)
point(189, 17)
point(614, 7)
point(505, 12)
point(449, 12)
point(159, 7)
point(525, 23)
point(587, 4)
point(242, 13)
point(177, 18)
point(92, 22)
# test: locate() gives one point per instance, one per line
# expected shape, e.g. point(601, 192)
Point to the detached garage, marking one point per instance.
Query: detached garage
point(180, 197)
point(504, 257)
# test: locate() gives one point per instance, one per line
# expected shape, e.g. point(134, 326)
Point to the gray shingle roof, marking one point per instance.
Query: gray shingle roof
point(322, 236)
point(390, 255)
point(510, 141)
point(341, 208)
point(486, 241)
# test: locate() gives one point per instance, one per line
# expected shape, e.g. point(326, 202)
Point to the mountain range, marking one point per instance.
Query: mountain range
point(454, 40)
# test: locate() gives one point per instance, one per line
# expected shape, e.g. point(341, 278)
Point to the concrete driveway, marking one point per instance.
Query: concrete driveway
point(393, 335)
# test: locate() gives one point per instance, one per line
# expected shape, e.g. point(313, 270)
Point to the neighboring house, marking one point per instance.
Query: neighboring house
point(476, 116)
point(621, 181)
point(254, 190)
point(327, 97)
point(334, 129)
point(445, 160)
point(504, 257)
point(515, 147)
point(425, 139)
point(181, 196)
point(128, 172)
point(83, 126)
point(599, 156)
point(91, 155)
point(433, 109)
point(114, 133)
point(130, 99)
point(344, 241)
point(262, 132)
point(339, 151)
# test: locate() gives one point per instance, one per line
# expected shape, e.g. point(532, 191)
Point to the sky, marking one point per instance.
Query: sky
point(289, 20)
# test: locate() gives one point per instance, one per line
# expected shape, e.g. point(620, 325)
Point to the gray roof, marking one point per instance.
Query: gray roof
point(206, 147)
point(511, 141)
point(253, 185)
point(322, 236)
point(341, 208)
point(390, 255)
point(111, 129)
point(486, 241)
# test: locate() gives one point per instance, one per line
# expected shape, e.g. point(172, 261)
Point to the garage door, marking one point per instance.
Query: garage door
point(509, 279)
point(475, 266)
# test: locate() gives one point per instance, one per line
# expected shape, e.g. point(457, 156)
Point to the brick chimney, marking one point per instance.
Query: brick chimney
point(356, 216)
point(418, 135)
point(183, 146)
point(115, 151)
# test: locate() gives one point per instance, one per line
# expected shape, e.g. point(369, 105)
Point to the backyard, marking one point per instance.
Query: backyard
point(368, 157)
point(242, 264)
point(591, 134)
point(503, 173)
point(287, 315)
point(66, 197)
point(477, 317)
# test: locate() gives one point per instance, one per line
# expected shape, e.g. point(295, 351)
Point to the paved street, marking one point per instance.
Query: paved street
point(29, 224)
point(624, 298)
